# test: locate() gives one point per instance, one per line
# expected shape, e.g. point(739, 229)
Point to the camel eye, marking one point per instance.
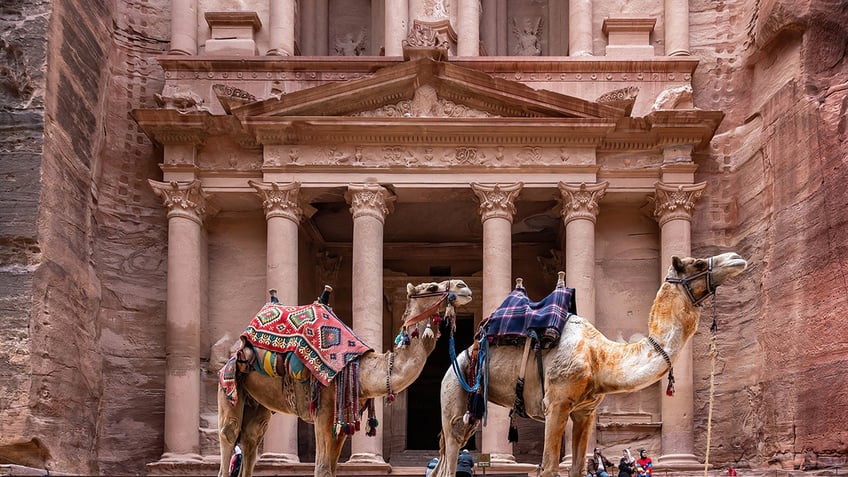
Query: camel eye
point(433, 288)
point(461, 285)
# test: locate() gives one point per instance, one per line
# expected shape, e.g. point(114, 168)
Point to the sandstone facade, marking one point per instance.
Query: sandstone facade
point(83, 237)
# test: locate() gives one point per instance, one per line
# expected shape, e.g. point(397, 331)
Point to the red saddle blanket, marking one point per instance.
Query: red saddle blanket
point(314, 333)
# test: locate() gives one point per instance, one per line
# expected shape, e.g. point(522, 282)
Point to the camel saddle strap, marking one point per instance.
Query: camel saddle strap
point(518, 405)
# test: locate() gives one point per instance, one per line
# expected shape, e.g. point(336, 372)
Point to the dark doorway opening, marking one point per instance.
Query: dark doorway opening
point(424, 421)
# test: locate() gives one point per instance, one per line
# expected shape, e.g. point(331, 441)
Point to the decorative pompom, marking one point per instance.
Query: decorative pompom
point(390, 398)
point(406, 339)
point(428, 332)
point(466, 418)
point(414, 333)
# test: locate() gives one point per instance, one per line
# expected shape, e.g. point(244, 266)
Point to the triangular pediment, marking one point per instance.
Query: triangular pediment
point(427, 88)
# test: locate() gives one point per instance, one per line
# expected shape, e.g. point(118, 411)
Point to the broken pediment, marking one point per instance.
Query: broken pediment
point(426, 87)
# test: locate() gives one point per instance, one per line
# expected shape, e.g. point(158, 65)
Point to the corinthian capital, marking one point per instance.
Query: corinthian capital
point(581, 201)
point(369, 200)
point(279, 200)
point(497, 201)
point(183, 199)
point(676, 202)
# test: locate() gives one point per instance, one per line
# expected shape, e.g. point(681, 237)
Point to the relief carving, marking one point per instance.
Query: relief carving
point(183, 100)
point(437, 8)
point(231, 97)
point(528, 35)
point(679, 97)
point(425, 103)
point(623, 98)
point(424, 36)
point(347, 45)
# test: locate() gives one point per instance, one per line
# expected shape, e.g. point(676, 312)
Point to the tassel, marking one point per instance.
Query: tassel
point(428, 332)
point(669, 391)
point(357, 425)
point(512, 435)
point(371, 428)
point(466, 418)
point(405, 339)
point(414, 333)
point(478, 406)
point(390, 398)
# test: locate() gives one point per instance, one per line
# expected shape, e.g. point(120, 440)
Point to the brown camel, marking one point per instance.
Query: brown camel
point(585, 366)
point(379, 374)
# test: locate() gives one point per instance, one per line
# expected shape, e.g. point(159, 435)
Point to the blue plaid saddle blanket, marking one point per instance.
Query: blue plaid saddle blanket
point(518, 317)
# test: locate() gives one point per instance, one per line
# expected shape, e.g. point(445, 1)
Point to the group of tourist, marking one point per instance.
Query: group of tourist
point(628, 466)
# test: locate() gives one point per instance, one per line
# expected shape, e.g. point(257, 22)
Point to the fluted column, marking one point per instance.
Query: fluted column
point(579, 215)
point(497, 209)
point(282, 214)
point(397, 21)
point(468, 38)
point(580, 27)
point(183, 27)
point(673, 209)
point(369, 204)
point(282, 17)
point(676, 27)
point(186, 206)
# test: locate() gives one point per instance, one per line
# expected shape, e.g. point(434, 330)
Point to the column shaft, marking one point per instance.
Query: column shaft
point(468, 41)
point(183, 27)
point(580, 28)
point(489, 26)
point(497, 210)
point(397, 22)
point(322, 27)
point(282, 28)
point(676, 27)
point(503, 28)
point(369, 206)
point(307, 28)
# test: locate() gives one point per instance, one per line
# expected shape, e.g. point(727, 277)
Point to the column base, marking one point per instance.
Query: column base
point(175, 458)
point(366, 458)
point(678, 462)
point(501, 459)
point(278, 458)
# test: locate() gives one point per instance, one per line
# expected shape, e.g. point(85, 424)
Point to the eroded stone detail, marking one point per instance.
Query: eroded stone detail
point(279, 200)
point(424, 36)
point(425, 104)
point(674, 98)
point(369, 200)
point(623, 98)
point(182, 199)
point(676, 202)
point(348, 45)
point(581, 202)
point(230, 96)
point(436, 9)
point(327, 266)
point(183, 100)
point(527, 33)
point(497, 201)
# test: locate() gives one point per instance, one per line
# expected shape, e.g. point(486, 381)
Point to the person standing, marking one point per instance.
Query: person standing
point(627, 464)
point(598, 464)
point(644, 464)
point(465, 464)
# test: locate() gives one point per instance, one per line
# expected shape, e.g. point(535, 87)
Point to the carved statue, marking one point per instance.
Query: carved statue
point(380, 374)
point(527, 37)
point(584, 366)
point(346, 45)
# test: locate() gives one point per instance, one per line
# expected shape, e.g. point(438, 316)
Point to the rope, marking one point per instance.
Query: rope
point(713, 354)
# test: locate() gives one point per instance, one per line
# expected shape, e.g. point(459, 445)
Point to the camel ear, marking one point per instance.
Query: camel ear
point(677, 263)
point(409, 289)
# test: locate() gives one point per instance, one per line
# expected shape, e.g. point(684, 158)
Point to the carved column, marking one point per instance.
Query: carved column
point(322, 27)
point(397, 13)
point(579, 215)
point(468, 42)
point(282, 17)
point(307, 29)
point(282, 214)
point(489, 26)
point(369, 204)
point(580, 27)
point(183, 27)
point(673, 208)
point(503, 28)
point(497, 208)
point(186, 206)
point(676, 27)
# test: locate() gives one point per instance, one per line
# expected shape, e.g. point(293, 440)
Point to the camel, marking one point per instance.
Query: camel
point(584, 366)
point(380, 374)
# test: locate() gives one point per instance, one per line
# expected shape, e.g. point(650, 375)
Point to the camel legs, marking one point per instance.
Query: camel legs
point(556, 417)
point(455, 433)
point(327, 448)
point(583, 419)
point(229, 427)
point(253, 428)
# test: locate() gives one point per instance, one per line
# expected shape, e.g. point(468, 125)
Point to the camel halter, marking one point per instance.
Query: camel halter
point(447, 296)
point(687, 283)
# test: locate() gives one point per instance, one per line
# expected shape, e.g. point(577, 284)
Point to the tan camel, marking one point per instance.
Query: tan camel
point(379, 375)
point(585, 366)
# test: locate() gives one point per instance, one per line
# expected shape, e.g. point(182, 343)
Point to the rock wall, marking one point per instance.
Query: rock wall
point(776, 173)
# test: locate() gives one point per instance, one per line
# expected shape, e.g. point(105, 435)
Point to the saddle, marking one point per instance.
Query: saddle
point(518, 318)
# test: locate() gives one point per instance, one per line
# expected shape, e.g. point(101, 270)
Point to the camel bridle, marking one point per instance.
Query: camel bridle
point(446, 296)
point(687, 283)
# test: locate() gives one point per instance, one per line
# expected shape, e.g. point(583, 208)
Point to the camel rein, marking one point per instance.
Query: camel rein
point(687, 284)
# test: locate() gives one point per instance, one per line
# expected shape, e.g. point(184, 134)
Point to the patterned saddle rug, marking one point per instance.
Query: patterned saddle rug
point(293, 337)
point(518, 317)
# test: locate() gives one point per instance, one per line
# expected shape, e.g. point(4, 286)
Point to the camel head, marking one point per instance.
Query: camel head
point(425, 300)
point(701, 276)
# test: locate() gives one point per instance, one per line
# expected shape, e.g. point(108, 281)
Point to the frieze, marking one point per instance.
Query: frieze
point(395, 155)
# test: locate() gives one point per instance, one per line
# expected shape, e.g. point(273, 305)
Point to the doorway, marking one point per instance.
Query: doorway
point(424, 413)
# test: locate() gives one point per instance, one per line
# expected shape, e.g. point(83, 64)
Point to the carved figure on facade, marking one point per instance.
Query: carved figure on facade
point(182, 99)
point(575, 382)
point(425, 103)
point(679, 97)
point(348, 45)
point(528, 36)
point(425, 36)
point(437, 9)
